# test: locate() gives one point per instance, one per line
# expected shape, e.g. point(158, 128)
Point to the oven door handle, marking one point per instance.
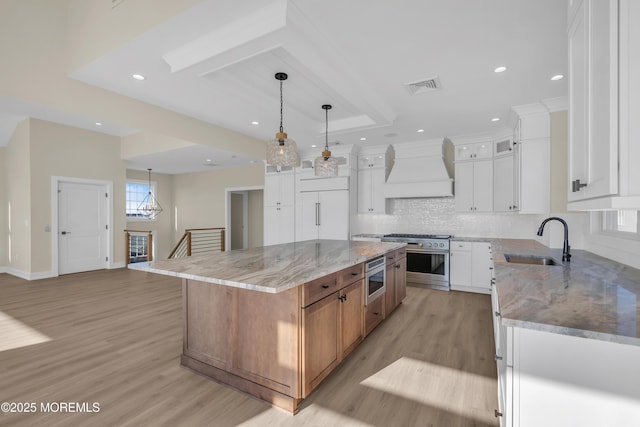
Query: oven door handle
point(419, 244)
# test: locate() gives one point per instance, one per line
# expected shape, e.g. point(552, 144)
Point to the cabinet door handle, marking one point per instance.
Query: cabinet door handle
point(576, 185)
point(317, 213)
point(497, 413)
point(376, 313)
point(397, 265)
point(497, 313)
point(496, 357)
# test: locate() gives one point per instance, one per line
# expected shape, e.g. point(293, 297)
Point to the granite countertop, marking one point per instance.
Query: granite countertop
point(590, 296)
point(273, 268)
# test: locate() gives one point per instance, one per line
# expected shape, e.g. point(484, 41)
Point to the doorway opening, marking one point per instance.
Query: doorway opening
point(244, 217)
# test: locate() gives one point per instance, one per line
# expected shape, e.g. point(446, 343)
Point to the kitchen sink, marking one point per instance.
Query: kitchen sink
point(531, 259)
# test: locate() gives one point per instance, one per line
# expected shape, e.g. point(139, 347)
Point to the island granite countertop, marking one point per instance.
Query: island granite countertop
point(590, 296)
point(273, 268)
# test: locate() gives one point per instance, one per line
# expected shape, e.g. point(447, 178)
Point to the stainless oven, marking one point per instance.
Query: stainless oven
point(375, 279)
point(427, 259)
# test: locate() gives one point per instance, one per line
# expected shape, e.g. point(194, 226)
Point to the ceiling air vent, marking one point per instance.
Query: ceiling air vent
point(422, 86)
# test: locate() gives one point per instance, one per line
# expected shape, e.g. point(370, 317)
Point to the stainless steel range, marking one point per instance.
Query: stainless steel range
point(427, 258)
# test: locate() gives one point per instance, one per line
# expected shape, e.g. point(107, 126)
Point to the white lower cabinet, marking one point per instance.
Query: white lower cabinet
point(549, 379)
point(470, 266)
point(323, 215)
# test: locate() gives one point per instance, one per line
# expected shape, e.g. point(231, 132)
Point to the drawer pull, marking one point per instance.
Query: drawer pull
point(325, 286)
point(354, 273)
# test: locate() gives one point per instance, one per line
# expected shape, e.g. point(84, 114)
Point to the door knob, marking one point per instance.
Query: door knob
point(65, 232)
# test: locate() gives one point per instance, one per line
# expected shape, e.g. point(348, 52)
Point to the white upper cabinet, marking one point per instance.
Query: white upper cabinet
point(279, 206)
point(533, 147)
point(604, 104)
point(374, 164)
point(478, 150)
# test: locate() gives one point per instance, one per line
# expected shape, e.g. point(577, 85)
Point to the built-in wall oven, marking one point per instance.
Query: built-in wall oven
point(427, 258)
point(375, 279)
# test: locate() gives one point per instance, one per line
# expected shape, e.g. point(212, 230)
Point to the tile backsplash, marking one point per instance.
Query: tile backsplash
point(438, 216)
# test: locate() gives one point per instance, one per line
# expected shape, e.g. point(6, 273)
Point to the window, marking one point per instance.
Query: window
point(136, 192)
point(621, 223)
point(138, 248)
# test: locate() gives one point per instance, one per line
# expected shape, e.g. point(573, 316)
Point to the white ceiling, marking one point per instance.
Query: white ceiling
point(216, 62)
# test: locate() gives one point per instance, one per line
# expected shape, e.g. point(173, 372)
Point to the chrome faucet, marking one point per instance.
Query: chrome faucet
point(566, 255)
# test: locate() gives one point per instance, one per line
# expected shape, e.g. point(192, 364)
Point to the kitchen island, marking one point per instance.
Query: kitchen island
point(274, 321)
point(567, 338)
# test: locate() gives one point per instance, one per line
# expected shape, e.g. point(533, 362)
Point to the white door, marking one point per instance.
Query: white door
point(82, 227)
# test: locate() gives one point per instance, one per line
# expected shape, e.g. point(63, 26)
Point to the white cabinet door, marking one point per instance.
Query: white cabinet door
point(379, 203)
point(333, 215)
point(307, 224)
point(460, 268)
point(464, 187)
point(279, 189)
point(278, 225)
point(503, 184)
point(324, 215)
point(481, 266)
point(483, 186)
point(365, 191)
point(593, 100)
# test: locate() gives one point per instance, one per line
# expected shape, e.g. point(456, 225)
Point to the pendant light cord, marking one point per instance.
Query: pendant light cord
point(149, 180)
point(281, 128)
point(326, 130)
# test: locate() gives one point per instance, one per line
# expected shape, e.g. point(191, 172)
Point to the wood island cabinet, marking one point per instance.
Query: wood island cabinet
point(276, 346)
point(396, 280)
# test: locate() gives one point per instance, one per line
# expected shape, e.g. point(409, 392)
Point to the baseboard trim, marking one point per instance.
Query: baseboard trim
point(26, 275)
point(114, 265)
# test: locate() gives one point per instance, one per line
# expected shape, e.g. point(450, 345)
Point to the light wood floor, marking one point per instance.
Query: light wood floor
point(116, 338)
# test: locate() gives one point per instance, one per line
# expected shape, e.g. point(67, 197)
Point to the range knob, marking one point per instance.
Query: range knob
point(429, 244)
point(441, 245)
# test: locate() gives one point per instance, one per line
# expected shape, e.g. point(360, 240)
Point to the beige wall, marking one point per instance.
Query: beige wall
point(162, 225)
point(256, 218)
point(64, 151)
point(4, 244)
point(18, 191)
point(199, 198)
point(559, 160)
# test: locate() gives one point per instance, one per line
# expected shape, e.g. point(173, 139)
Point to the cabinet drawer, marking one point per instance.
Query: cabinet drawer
point(461, 246)
point(401, 253)
point(374, 313)
point(350, 275)
point(317, 289)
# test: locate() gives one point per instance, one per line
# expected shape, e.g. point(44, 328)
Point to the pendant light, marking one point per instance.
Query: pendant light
point(325, 165)
point(149, 207)
point(282, 151)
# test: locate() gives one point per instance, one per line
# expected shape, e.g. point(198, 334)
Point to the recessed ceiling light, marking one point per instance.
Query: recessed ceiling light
point(500, 69)
point(495, 119)
point(255, 123)
point(138, 76)
point(557, 77)
point(363, 139)
point(313, 146)
point(208, 160)
point(98, 124)
point(420, 130)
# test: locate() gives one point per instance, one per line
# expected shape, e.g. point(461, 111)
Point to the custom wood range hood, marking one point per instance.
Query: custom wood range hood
point(419, 171)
